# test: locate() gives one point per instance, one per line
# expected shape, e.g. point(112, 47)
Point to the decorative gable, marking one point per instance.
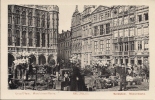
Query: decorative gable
point(100, 8)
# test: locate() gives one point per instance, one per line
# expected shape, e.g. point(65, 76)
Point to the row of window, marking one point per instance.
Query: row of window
point(99, 30)
point(18, 39)
point(102, 45)
point(131, 45)
point(30, 19)
point(124, 20)
point(143, 17)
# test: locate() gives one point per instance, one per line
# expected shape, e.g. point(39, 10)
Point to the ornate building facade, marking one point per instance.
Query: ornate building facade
point(76, 31)
point(33, 29)
point(64, 46)
point(114, 34)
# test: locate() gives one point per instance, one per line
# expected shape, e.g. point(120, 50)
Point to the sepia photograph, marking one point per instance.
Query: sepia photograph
point(77, 50)
point(104, 48)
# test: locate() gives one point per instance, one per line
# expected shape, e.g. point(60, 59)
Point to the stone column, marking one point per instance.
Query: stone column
point(37, 59)
point(135, 60)
point(142, 58)
point(46, 56)
point(129, 60)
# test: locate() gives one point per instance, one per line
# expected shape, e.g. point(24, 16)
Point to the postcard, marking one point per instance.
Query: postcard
point(77, 49)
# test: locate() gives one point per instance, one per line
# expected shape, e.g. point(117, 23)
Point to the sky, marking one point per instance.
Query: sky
point(65, 16)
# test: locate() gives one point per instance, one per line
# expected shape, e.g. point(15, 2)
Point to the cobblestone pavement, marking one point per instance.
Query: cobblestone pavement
point(143, 87)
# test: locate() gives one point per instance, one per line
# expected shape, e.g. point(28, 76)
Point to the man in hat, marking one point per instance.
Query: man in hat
point(122, 78)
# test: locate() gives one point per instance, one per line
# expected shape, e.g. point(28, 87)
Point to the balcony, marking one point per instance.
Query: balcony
point(120, 53)
point(114, 40)
point(131, 38)
point(120, 40)
point(126, 53)
point(131, 52)
point(126, 39)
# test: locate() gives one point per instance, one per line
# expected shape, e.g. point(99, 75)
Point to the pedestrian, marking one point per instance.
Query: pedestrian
point(77, 82)
point(122, 78)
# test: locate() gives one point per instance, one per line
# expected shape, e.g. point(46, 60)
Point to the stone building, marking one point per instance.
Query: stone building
point(86, 24)
point(76, 32)
point(114, 34)
point(33, 29)
point(64, 46)
point(130, 34)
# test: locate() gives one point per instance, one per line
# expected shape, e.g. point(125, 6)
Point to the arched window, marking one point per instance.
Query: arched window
point(43, 39)
point(43, 21)
point(24, 38)
point(30, 19)
point(38, 19)
point(17, 35)
point(9, 16)
point(23, 18)
point(9, 37)
point(17, 17)
point(38, 40)
point(30, 39)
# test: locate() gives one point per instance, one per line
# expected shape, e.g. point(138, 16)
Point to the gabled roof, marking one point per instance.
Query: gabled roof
point(100, 8)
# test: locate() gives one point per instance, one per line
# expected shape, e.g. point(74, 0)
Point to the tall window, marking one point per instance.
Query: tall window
point(132, 45)
point(131, 31)
point(23, 18)
point(48, 21)
point(101, 29)
point(126, 20)
point(24, 38)
point(120, 33)
point(120, 21)
point(30, 39)
point(126, 46)
point(146, 30)
point(43, 40)
point(139, 18)
point(116, 47)
point(132, 18)
point(126, 32)
point(101, 16)
point(96, 30)
point(43, 21)
point(107, 28)
point(101, 45)
point(121, 47)
point(108, 45)
point(146, 16)
point(95, 46)
point(17, 34)
point(9, 37)
point(139, 45)
point(38, 19)
point(30, 19)
point(9, 16)
point(139, 31)
point(38, 39)
point(146, 45)
point(17, 17)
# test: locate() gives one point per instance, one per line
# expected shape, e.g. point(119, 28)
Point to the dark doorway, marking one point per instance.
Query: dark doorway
point(140, 62)
point(42, 60)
